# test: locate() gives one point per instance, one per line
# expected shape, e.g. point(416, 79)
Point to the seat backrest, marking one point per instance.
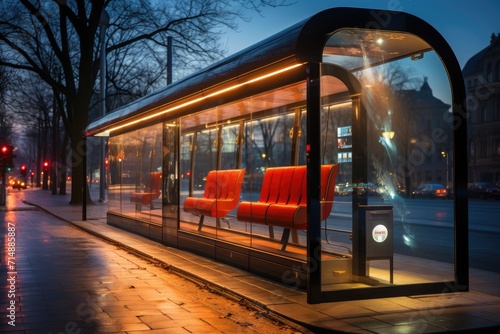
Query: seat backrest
point(224, 184)
point(154, 183)
point(211, 185)
point(328, 177)
point(297, 188)
point(237, 176)
point(274, 185)
point(229, 182)
point(266, 185)
point(285, 185)
point(288, 185)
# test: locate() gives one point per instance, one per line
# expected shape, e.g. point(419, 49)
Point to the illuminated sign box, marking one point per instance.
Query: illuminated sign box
point(374, 238)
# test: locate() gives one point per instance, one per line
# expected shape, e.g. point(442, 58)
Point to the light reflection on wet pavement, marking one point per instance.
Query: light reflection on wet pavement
point(70, 282)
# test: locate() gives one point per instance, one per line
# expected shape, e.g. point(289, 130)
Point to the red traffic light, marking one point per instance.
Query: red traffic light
point(23, 169)
point(45, 166)
point(6, 155)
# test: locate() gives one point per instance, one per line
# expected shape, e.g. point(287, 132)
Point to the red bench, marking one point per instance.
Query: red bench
point(283, 199)
point(221, 195)
point(151, 192)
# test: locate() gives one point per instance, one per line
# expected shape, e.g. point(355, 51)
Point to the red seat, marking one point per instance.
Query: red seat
point(151, 192)
point(255, 212)
point(221, 195)
point(283, 199)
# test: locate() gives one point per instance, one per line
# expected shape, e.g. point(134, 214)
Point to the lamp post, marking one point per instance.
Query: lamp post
point(103, 25)
point(55, 131)
point(445, 155)
point(169, 59)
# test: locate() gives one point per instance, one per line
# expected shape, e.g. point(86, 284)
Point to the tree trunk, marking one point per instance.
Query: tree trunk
point(78, 150)
point(77, 169)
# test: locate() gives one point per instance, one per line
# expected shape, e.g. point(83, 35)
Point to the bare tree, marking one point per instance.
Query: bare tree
point(392, 106)
point(58, 41)
point(4, 81)
point(33, 106)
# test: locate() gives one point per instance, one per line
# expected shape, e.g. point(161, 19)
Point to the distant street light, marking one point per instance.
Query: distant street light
point(445, 155)
point(388, 135)
point(103, 25)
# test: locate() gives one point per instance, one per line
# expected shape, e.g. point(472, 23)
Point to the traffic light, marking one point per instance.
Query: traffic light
point(6, 155)
point(45, 166)
point(23, 169)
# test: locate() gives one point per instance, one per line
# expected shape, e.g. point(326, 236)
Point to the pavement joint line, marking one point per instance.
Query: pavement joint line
point(254, 304)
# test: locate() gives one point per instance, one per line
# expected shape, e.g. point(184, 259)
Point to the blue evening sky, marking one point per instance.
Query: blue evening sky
point(467, 25)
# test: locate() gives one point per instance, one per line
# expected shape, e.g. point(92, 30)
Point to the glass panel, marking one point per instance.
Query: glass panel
point(404, 234)
point(269, 142)
point(205, 157)
point(354, 49)
point(302, 134)
point(253, 135)
point(229, 146)
point(411, 135)
point(186, 151)
point(336, 181)
point(118, 178)
point(170, 182)
point(170, 172)
point(135, 168)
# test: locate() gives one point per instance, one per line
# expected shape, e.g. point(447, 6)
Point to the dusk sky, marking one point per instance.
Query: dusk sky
point(467, 25)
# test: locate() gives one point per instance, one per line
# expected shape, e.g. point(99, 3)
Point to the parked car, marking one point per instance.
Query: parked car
point(369, 189)
point(483, 190)
point(430, 190)
point(342, 189)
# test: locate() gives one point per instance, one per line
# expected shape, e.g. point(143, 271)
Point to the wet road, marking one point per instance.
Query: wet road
point(58, 279)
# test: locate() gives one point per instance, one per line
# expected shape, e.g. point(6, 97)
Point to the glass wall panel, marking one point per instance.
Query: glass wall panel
point(117, 177)
point(254, 136)
point(170, 168)
point(230, 146)
point(135, 168)
point(170, 182)
point(400, 229)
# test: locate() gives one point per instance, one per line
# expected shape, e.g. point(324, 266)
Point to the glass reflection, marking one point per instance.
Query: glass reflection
point(407, 98)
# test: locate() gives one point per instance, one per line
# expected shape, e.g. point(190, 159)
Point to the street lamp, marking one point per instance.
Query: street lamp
point(445, 155)
point(103, 25)
point(388, 135)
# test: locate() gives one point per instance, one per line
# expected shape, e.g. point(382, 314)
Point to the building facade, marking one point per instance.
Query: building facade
point(482, 79)
point(426, 141)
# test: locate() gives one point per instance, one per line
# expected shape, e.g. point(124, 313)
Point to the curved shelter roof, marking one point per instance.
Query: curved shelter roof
point(325, 36)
